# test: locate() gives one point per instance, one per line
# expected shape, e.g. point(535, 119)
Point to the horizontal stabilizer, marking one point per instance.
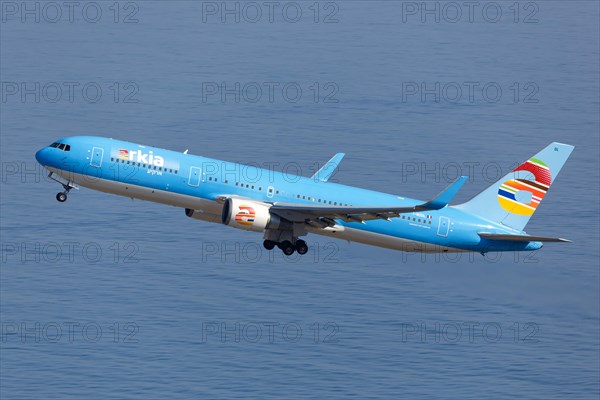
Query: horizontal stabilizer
point(519, 238)
point(328, 169)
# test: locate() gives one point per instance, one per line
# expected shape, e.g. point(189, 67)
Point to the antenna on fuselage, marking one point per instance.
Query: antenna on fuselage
point(185, 152)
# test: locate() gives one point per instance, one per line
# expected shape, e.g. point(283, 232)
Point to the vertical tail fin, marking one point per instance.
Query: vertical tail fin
point(514, 198)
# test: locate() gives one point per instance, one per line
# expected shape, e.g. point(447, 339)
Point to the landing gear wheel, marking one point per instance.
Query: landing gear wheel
point(301, 247)
point(62, 197)
point(287, 247)
point(269, 244)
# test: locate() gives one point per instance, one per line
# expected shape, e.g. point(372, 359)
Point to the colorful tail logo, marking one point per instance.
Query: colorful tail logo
point(123, 154)
point(538, 188)
point(245, 216)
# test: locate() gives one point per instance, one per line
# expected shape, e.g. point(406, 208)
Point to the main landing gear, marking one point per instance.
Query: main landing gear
point(288, 248)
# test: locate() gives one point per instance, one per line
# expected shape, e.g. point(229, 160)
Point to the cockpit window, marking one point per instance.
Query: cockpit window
point(61, 146)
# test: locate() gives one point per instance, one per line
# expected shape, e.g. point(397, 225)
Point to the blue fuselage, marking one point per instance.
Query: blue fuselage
point(198, 183)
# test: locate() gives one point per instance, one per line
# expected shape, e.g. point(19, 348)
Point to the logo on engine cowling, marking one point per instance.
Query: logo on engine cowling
point(245, 215)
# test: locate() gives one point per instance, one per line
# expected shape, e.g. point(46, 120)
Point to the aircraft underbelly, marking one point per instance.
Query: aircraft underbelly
point(381, 240)
point(211, 209)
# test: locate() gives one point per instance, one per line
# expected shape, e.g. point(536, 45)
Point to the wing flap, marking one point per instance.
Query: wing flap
point(520, 238)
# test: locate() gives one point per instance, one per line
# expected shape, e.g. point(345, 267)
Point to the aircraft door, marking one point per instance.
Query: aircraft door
point(194, 179)
point(444, 226)
point(96, 158)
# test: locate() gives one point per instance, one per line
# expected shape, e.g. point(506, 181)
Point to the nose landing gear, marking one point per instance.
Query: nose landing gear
point(62, 196)
point(65, 183)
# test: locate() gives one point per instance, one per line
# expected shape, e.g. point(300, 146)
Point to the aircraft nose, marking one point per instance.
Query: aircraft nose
point(42, 156)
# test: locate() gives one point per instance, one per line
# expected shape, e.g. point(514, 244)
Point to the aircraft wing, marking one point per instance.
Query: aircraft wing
point(327, 170)
point(322, 215)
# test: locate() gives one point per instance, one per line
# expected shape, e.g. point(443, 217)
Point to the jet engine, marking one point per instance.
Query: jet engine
point(251, 216)
point(202, 216)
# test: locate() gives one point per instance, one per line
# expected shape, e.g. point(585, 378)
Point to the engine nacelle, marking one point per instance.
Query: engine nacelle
point(251, 216)
point(202, 216)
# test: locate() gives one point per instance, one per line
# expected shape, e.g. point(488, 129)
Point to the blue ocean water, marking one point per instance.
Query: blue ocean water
point(105, 297)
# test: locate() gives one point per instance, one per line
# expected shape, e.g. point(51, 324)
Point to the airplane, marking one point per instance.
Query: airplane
point(285, 207)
